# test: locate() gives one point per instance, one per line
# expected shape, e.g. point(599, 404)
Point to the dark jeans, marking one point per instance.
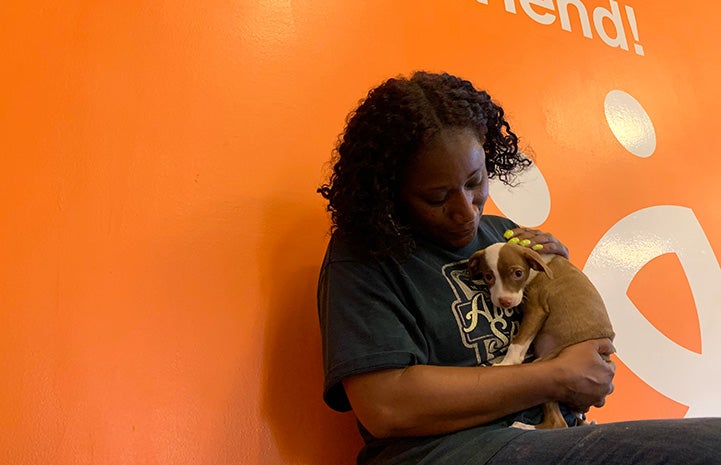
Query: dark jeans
point(649, 442)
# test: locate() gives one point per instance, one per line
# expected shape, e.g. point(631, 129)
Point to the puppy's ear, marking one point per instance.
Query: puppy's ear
point(535, 261)
point(474, 264)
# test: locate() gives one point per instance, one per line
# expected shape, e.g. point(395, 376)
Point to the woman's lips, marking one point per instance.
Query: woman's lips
point(462, 234)
point(465, 231)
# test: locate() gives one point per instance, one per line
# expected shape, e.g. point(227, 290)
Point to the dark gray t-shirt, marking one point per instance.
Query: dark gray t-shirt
point(385, 313)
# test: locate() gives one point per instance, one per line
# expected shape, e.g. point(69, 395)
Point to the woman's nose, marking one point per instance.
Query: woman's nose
point(463, 207)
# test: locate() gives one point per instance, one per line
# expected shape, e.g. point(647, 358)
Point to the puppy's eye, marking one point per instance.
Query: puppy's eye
point(488, 278)
point(518, 274)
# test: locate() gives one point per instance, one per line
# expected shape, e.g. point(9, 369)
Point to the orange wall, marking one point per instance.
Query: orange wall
point(160, 235)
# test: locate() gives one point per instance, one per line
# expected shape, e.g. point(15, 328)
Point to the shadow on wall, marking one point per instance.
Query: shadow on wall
point(305, 430)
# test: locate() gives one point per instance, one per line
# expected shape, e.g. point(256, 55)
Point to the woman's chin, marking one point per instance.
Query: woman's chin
point(460, 241)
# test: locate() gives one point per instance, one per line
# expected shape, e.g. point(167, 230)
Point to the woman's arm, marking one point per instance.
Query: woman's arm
point(426, 400)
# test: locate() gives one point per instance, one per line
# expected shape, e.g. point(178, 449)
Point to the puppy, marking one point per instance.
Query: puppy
point(561, 305)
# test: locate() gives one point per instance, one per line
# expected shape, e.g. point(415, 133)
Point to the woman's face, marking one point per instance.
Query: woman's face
point(445, 188)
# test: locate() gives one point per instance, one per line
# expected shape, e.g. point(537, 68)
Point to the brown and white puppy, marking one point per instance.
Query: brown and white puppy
point(561, 306)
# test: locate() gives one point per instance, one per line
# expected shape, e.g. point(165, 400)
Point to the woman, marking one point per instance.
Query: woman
point(408, 339)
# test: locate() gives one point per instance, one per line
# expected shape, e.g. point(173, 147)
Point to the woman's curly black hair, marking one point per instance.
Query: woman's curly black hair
point(384, 134)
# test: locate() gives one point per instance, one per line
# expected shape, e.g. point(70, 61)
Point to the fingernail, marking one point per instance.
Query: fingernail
point(525, 242)
point(514, 240)
point(537, 247)
point(508, 234)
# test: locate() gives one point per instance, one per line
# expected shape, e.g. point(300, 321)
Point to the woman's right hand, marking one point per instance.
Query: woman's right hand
point(586, 374)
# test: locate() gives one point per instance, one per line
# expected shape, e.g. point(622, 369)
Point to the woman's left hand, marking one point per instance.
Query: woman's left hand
point(541, 242)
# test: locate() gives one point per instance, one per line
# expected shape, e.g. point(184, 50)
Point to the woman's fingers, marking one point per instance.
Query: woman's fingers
point(537, 240)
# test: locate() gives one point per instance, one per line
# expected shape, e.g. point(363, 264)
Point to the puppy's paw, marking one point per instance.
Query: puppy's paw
point(509, 360)
point(498, 361)
point(514, 355)
point(519, 425)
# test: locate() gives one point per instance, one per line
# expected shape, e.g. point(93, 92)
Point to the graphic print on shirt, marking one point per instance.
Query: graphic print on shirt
point(483, 327)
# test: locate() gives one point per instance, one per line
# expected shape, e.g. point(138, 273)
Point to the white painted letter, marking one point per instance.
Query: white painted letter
point(615, 16)
point(582, 15)
point(546, 18)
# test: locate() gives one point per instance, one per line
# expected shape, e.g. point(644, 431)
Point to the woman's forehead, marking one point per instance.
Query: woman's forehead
point(451, 154)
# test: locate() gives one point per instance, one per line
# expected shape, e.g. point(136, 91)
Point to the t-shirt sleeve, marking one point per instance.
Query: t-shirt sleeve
point(364, 325)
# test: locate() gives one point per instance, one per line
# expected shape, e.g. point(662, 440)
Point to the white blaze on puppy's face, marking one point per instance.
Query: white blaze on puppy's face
point(509, 273)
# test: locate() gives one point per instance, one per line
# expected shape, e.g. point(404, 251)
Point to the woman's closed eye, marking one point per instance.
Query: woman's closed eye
point(474, 183)
point(436, 199)
point(435, 202)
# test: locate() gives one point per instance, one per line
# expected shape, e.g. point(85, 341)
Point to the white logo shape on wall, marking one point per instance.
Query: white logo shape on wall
point(681, 374)
point(630, 123)
point(528, 202)
point(627, 247)
point(621, 253)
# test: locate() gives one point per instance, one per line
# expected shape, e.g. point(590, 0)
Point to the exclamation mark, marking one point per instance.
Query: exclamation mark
point(634, 29)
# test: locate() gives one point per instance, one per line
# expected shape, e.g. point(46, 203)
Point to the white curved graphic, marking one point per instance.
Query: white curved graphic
point(528, 202)
point(683, 375)
point(630, 123)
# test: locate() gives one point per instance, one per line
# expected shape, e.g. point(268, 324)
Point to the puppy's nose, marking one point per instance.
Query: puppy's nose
point(506, 302)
